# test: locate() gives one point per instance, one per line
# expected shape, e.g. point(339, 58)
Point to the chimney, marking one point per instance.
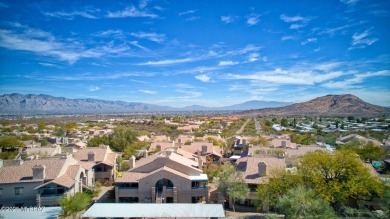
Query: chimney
point(91, 156)
point(204, 149)
point(132, 162)
point(1, 163)
point(283, 144)
point(39, 172)
point(200, 163)
point(65, 155)
point(146, 153)
point(262, 169)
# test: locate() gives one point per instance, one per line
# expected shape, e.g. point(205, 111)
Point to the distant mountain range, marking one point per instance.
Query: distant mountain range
point(330, 105)
point(11, 104)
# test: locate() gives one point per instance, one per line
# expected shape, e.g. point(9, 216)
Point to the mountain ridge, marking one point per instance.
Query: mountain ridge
point(43, 103)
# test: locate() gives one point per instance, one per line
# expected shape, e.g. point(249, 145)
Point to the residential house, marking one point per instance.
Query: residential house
point(184, 140)
point(256, 171)
point(99, 163)
point(206, 149)
point(165, 177)
point(160, 146)
point(49, 151)
point(351, 137)
point(40, 182)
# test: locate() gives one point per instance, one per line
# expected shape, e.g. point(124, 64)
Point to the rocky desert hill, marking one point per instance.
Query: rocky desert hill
point(330, 105)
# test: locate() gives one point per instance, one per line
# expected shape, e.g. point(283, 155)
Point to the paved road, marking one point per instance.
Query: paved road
point(258, 126)
point(242, 127)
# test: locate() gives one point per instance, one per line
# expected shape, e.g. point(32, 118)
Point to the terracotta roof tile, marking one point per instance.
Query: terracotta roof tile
point(130, 177)
point(110, 159)
point(23, 173)
point(249, 167)
point(100, 153)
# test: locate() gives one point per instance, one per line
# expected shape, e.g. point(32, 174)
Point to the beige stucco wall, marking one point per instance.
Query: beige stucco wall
point(144, 191)
point(28, 198)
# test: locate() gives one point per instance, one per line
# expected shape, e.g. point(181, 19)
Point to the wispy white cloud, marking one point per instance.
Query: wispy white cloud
point(310, 40)
point(297, 75)
point(228, 62)
point(253, 19)
point(362, 40)
point(203, 78)
point(47, 64)
point(296, 18)
point(296, 26)
point(187, 12)
point(93, 88)
point(185, 86)
point(349, 2)
point(155, 37)
point(228, 19)
point(326, 66)
point(190, 94)
point(293, 78)
point(44, 43)
point(246, 49)
point(97, 77)
point(86, 13)
point(298, 21)
point(168, 61)
point(333, 31)
point(193, 18)
point(253, 57)
point(3, 5)
point(131, 12)
point(356, 79)
point(111, 33)
point(143, 3)
point(288, 38)
point(136, 44)
point(147, 91)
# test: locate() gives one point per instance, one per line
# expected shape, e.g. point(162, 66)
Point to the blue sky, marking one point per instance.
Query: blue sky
point(210, 53)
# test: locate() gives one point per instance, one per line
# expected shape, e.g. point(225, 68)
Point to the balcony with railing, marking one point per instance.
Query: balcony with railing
point(49, 199)
point(127, 189)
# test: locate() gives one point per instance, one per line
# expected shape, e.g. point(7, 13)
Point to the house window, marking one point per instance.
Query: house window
point(18, 190)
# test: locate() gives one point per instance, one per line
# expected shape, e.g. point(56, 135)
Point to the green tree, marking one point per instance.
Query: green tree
point(339, 177)
point(96, 141)
point(125, 165)
point(41, 126)
point(59, 131)
point(74, 204)
point(259, 140)
point(133, 148)
point(371, 152)
point(279, 184)
point(304, 139)
point(122, 138)
point(231, 183)
point(44, 142)
point(366, 150)
point(300, 202)
point(10, 142)
point(284, 122)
